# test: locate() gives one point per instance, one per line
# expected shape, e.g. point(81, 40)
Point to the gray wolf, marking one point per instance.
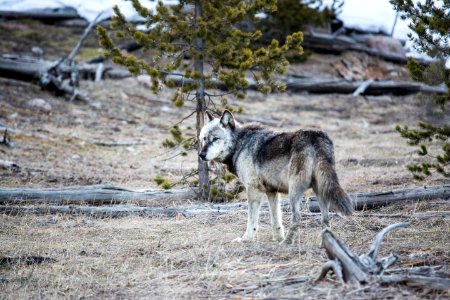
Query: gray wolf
point(268, 162)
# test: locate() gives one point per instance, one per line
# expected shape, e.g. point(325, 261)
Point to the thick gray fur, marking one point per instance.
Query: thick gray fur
point(269, 162)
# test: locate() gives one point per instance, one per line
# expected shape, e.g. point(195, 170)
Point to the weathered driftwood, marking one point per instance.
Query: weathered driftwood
point(434, 283)
point(421, 215)
point(61, 76)
point(324, 43)
point(97, 194)
point(328, 43)
point(351, 268)
point(377, 199)
point(43, 15)
point(316, 85)
point(119, 143)
point(339, 86)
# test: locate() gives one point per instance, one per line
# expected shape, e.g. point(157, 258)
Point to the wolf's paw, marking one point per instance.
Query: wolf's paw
point(242, 239)
point(279, 238)
point(286, 242)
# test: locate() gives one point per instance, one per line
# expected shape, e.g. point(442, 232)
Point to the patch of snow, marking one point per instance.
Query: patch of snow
point(87, 9)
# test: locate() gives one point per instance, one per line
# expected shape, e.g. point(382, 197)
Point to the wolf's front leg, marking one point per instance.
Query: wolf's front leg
point(254, 203)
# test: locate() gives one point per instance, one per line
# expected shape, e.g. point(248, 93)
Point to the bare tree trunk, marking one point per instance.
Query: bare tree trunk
point(203, 176)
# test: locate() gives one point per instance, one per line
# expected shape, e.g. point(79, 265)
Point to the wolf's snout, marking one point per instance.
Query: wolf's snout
point(202, 155)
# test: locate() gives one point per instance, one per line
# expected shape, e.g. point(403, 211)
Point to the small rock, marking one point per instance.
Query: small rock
point(96, 105)
point(40, 104)
point(123, 96)
point(76, 157)
point(145, 80)
point(37, 51)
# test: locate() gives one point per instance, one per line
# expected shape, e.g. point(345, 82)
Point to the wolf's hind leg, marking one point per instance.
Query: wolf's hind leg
point(254, 202)
point(276, 217)
point(300, 176)
point(295, 197)
point(324, 208)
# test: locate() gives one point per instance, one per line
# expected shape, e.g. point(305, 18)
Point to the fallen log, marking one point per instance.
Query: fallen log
point(96, 194)
point(61, 76)
point(99, 194)
point(338, 86)
point(421, 215)
point(322, 86)
point(47, 15)
point(336, 44)
point(366, 268)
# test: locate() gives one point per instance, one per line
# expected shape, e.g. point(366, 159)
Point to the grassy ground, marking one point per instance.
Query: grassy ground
point(137, 257)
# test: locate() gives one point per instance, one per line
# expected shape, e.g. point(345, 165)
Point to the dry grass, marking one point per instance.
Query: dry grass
point(193, 258)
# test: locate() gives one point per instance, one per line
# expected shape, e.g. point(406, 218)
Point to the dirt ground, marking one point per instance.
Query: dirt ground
point(161, 258)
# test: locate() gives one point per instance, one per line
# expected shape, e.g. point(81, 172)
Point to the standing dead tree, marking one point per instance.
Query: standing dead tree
point(351, 268)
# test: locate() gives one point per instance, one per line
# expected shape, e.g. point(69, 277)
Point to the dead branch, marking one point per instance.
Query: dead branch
point(61, 76)
point(97, 194)
point(328, 43)
point(43, 15)
point(339, 86)
point(6, 140)
point(379, 238)
point(119, 144)
point(435, 283)
point(366, 268)
point(421, 215)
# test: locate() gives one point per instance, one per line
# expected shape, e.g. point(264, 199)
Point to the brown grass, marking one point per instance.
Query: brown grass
point(163, 258)
point(193, 258)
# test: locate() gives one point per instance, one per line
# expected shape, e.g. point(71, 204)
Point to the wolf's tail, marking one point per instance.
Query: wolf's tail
point(329, 189)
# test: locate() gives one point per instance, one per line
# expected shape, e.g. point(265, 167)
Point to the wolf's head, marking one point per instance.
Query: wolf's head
point(217, 137)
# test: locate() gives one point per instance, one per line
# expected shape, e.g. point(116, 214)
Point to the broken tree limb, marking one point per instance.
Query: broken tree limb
point(434, 283)
point(322, 86)
point(328, 43)
point(338, 86)
point(362, 88)
point(422, 215)
point(377, 199)
point(61, 76)
point(366, 268)
point(97, 194)
point(119, 143)
point(355, 269)
point(44, 15)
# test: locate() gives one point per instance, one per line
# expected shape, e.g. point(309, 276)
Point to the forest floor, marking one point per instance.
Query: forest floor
point(62, 144)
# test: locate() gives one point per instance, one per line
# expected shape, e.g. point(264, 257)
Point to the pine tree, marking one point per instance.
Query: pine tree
point(204, 31)
point(430, 21)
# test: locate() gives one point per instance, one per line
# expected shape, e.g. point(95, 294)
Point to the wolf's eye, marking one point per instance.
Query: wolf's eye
point(214, 139)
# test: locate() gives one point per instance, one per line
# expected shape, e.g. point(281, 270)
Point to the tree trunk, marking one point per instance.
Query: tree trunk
point(203, 176)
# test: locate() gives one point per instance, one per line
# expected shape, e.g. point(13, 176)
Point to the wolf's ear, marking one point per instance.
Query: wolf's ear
point(227, 119)
point(210, 115)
